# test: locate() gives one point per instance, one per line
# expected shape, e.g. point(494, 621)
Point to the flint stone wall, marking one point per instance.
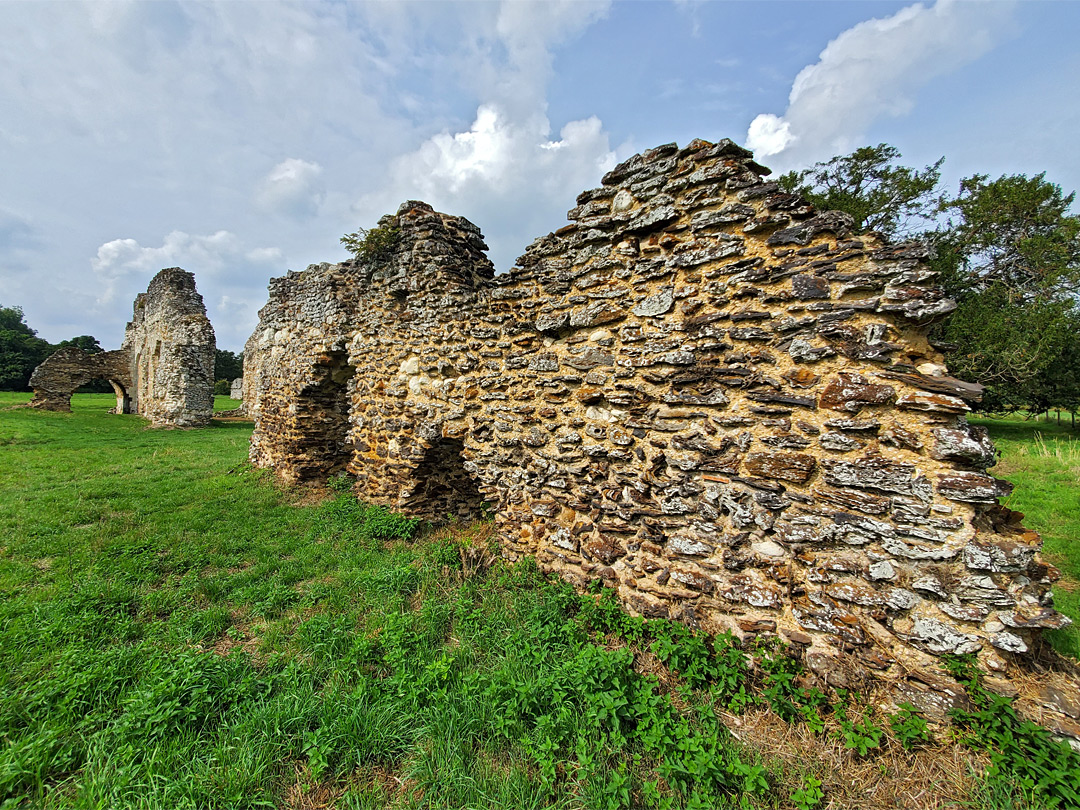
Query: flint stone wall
point(701, 391)
point(163, 370)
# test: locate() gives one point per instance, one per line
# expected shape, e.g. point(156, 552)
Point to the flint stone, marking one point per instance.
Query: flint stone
point(971, 446)
point(722, 246)
point(970, 487)
point(807, 287)
point(941, 638)
point(839, 442)
point(552, 322)
point(732, 212)
point(851, 392)
point(589, 358)
point(544, 362)
point(854, 499)
point(938, 403)
point(596, 314)
point(999, 555)
point(871, 473)
point(688, 546)
point(752, 590)
point(657, 304)
point(825, 616)
point(802, 351)
point(1043, 619)
point(1009, 642)
point(964, 612)
point(882, 570)
point(794, 467)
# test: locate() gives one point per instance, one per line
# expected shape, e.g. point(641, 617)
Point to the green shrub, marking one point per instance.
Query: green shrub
point(1023, 755)
point(909, 727)
point(375, 245)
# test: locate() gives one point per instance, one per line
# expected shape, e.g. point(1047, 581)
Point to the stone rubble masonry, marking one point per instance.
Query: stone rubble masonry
point(701, 391)
point(164, 369)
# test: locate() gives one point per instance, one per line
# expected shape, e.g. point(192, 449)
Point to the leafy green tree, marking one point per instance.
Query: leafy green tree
point(1011, 258)
point(868, 184)
point(21, 350)
point(88, 343)
point(376, 244)
point(1016, 232)
point(228, 365)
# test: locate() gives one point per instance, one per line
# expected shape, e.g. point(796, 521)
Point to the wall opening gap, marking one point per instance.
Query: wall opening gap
point(443, 490)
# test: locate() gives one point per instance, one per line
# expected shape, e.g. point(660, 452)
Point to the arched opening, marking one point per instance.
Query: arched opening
point(442, 488)
point(322, 445)
point(96, 387)
point(123, 401)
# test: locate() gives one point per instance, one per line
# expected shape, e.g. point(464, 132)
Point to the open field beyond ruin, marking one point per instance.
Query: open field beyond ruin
point(177, 631)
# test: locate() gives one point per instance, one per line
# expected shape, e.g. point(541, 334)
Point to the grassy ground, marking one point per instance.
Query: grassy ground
point(177, 632)
point(1043, 460)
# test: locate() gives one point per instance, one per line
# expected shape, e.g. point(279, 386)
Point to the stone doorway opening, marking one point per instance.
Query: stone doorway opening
point(102, 385)
point(443, 490)
point(323, 446)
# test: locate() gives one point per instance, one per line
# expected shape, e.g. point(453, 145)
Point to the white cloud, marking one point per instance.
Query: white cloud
point(769, 134)
point(871, 70)
point(506, 171)
point(509, 176)
point(292, 188)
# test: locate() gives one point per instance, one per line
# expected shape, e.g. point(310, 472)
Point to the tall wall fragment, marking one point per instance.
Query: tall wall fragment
point(165, 368)
point(701, 391)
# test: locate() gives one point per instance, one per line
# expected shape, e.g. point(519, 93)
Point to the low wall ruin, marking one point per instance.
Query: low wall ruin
point(701, 391)
point(164, 370)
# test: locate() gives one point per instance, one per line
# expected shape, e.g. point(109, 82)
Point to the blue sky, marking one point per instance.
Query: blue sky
point(240, 140)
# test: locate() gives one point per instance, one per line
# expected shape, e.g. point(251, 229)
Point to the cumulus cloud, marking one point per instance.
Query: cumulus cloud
point(509, 176)
point(123, 256)
point(507, 171)
point(872, 70)
point(184, 118)
point(292, 188)
point(223, 265)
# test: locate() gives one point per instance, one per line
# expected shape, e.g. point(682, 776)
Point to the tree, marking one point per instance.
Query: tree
point(1016, 232)
point(1011, 259)
point(867, 184)
point(227, 365)
point(21, 350)
point(88, 343)
point(376, 244)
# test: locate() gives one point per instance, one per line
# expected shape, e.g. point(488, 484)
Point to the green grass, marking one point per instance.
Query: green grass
point(1042, 459)
point(175, 633)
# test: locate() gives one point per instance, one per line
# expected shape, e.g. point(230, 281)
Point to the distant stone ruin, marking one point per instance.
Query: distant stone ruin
point(164, 369)
point(236, 389)
point(701, 391)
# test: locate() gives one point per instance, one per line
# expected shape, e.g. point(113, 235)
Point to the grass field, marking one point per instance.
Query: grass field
point(1042, 459)
point(175, 631)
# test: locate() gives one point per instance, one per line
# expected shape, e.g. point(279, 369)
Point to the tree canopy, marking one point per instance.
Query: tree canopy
point(867, 184)
point(21, 350)
point(228, 365)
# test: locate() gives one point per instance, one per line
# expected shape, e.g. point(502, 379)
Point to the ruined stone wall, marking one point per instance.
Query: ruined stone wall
point(164, 369)
point(701, 391)
point(70, 368)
